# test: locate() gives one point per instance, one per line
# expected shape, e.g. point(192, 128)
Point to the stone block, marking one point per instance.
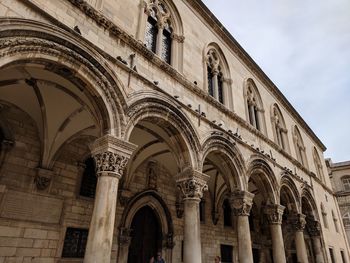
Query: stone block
point(7, 251)
point(41, 243)
point(33, 252)
point(7, 231)
point(35, 233)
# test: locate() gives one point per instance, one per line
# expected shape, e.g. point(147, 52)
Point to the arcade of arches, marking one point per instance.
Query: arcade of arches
point(92, 172)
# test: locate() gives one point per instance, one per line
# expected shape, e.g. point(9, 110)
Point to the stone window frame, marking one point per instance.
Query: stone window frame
point(279, 128)
point(346, 182)
point(254, 107)
point(171, 17)
point(346, 219)
point(318, 165)
point(61, 249)
point(299, 146)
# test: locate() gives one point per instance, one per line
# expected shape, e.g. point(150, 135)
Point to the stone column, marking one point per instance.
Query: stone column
point(241, 203)
point(314, 229)
point(159, 45)
point(192, 184)
point(111, 156)
point(274, 216)
point(299, 224)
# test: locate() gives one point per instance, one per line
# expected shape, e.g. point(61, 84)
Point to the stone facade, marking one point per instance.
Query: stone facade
point(339, 174)
point(131, 127)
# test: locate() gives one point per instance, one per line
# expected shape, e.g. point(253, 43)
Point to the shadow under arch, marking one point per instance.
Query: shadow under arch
point(160, 111)
point(24, 41)
point(153, 200)
point(291, 191)
point(261, 173)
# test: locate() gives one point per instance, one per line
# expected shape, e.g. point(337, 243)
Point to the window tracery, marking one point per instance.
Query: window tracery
point(318, 166)
point(159, 32)
point(346, 182)
point(279, 128)
point(299, 147)
point(346, 219)
point(215, 75)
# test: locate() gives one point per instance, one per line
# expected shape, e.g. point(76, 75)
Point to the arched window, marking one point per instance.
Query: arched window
point(254, 106)
point(89, 179)
point(346, 219)
point(318, 165)
point(217, 75)
point(299, 147)
point(227, 213)
point(346, 182)
point(279, 128)
point(324, 216)
point(160, 27)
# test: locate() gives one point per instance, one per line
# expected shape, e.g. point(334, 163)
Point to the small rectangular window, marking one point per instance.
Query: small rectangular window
point(226, 253)
point(331, 253)
point(75, 243)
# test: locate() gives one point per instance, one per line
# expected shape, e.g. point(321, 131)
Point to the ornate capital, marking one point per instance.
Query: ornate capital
point(314, 228)
point(178, 38)
point(299, 222)
point(43, 178)
point(274, 214)
point(241, 202)
point(192, 184)
point(125, 236)
point(111, 155)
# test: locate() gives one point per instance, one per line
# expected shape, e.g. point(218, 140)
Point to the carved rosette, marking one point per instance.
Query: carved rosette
point(299, 222)
point(111, 155)
point(192, 184)
point(241, 202)
point(274, 214)
point(314, 228)
point(125, 236)
point(111, 163)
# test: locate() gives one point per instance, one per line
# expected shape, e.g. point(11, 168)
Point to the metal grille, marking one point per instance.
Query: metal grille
point(75, 243)
point(151, 34)
point(89, 180)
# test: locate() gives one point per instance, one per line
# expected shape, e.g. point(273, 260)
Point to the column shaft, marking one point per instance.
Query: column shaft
point(245, 253)
point(316, 242)
point(278, 252)
point(192, 239)
point(100, 238)
point(215, 85)
point(301, 248)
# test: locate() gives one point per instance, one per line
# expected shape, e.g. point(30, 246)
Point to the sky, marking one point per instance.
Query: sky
point(304, 48)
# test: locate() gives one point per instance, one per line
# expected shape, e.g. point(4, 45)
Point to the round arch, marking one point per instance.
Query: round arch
point(308, 204)
point(265, 177)
point(231, 158)
point(289, 190)
point(24, 41)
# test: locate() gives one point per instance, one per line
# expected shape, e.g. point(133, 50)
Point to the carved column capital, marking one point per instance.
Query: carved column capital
point(314, 228)
point(299, 222)
point(241, 202)
point(274, 214)
point(192, 184)
point(111, 155)
point(178, 38)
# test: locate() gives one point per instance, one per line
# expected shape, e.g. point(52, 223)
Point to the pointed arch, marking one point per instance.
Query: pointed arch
point(308, 204)
point(279, 129)
point(217, 77)
point(318, 165)
point(255, 113)
point(299, 147)
point(292, 195)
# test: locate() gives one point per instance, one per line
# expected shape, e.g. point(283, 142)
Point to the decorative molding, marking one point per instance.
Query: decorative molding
point(110, 163)
point(192, 184)
point(299, 222)
point(241, 202)
point(274, 214)
point(43, 178)
point(313, 227)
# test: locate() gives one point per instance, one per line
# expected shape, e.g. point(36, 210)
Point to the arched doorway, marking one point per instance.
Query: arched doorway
point(146, 236)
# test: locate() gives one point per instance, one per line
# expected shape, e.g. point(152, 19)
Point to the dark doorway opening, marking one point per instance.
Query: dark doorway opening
point(146, 236)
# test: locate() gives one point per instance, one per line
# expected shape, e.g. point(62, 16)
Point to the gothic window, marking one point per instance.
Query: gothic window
point(324, 216)
point(279, 128)
point(89, 179)
point(75, 243)
point(227, 213)
point(215, 75)
point(335, 221)
point(346, 182)
point(158, 34)
point(299, 147)
point(254, 108)
point(318, 165)
point(346, 219)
